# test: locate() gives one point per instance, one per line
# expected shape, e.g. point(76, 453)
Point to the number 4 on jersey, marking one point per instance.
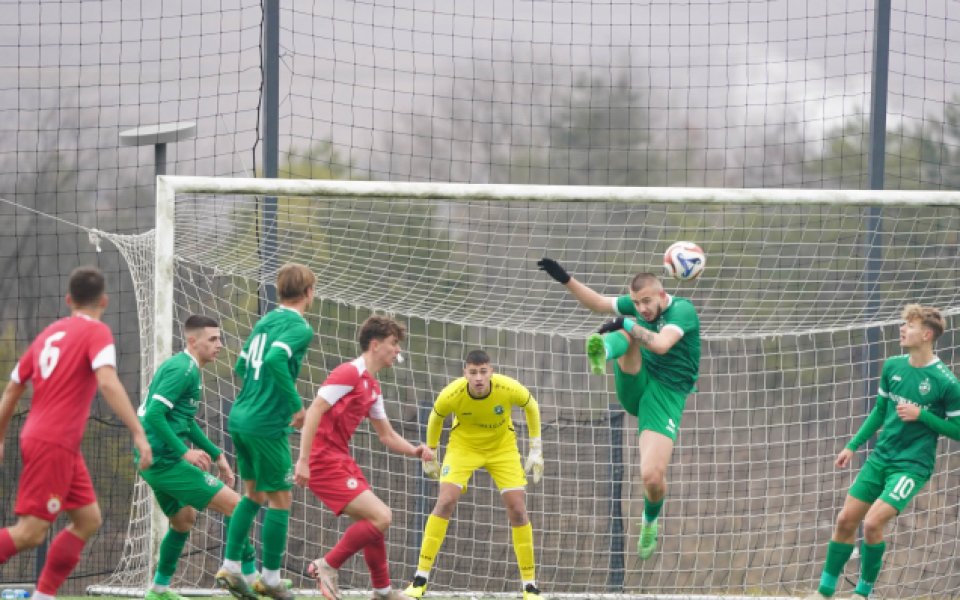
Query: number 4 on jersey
point(255, 354)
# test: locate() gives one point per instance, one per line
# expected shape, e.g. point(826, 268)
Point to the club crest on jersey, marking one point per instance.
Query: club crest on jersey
point(54, 505)
point(210, 480)
point(925, 387)
point(498, 410)
point(352, 484)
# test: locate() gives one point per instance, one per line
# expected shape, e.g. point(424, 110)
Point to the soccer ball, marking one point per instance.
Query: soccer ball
point(684, 261)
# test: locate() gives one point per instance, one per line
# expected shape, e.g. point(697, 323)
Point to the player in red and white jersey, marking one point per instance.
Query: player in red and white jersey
point(349, 395)
point(66, 363)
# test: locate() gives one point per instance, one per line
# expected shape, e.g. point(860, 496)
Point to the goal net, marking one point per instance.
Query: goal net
point(799, 303)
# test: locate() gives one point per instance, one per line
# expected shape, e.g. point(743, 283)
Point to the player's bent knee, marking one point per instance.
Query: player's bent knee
point(184, 520)
point(654, 477)
point(847, 524)
point(873, 530)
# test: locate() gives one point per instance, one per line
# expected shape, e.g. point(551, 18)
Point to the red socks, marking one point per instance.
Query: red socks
point(357, 537)
point(62, 556)
point(375, 553)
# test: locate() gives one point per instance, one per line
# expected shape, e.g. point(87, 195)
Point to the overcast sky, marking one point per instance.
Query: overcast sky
point(359, 72)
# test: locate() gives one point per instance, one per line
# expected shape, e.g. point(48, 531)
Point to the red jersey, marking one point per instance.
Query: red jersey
point(61, 362)
point(353, 394)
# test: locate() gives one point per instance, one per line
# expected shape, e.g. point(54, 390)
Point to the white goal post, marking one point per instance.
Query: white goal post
point(799, 303)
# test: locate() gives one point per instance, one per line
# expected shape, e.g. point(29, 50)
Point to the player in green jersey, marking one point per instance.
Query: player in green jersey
point(267, 406)
point(179, 475)
point(656, 345)
point(918, 399)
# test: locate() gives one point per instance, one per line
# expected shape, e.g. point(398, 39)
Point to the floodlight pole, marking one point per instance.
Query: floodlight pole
point(271, 149)
point(875, 171)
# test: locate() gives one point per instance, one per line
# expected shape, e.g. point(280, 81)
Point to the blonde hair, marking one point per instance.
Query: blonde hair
point(294, 281)
point(928, 316)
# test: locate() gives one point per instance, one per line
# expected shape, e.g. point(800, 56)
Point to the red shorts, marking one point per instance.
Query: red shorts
point(336, 482)
point(53, 479)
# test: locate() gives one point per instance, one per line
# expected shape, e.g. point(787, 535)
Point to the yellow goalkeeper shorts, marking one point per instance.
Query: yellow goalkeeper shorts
point(504, 467)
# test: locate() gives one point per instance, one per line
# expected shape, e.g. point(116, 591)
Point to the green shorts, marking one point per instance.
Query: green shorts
point(181, 484)
point(657, 407)
point(894, 485)
point(264, 460)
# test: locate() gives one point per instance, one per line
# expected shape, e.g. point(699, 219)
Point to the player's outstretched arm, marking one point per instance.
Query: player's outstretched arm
point(392, 440)
point(8, 404)
point(116, 397)
point(584, 295)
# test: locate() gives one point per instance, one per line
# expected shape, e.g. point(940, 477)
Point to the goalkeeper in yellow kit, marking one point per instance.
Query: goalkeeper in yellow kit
point(482, 436)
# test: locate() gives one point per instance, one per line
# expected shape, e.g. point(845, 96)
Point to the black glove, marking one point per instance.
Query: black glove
point(611, 325)
point(553, 269)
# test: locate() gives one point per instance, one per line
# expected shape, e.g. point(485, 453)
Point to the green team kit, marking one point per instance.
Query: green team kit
point(260, 419)
point(168, 416)
point(902, 461)
point(661, 387)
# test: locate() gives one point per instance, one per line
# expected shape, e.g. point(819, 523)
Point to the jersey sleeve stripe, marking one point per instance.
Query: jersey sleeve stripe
point(285, 348)
point(333, 393)
point(614, 305)
point(527, 401)
point(673, 326)
point(243, 354)
point(163, 400)
point(378, 411)
point(436, 412)
point(105, 358)
point(953, 413)
point(882, 392)
point(15, 374)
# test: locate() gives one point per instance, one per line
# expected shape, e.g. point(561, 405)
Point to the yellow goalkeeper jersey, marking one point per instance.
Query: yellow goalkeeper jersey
point(483, 423)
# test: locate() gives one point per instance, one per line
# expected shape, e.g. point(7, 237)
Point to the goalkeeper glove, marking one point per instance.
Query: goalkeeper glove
point(553, 269)
point(535, 459)
point(431, 468)
point(611, 325)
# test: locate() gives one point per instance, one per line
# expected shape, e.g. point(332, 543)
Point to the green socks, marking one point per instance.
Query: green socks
point(170, 550)
point(248, 556)
point(871, 559)
point(838, 554)
point(274, 537)
point(651, 509)
point(238, 529)
point(616, 344)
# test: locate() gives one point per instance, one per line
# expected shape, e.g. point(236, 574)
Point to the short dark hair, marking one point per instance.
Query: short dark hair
point(477, 357)
point(378, 327)
point(642, 280)
point(194, 322)
point(86, 285)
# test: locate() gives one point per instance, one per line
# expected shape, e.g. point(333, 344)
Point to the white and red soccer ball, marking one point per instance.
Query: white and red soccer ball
point(684, 261)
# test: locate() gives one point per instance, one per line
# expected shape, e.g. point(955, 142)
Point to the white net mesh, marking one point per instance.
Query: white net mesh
point(797, 310)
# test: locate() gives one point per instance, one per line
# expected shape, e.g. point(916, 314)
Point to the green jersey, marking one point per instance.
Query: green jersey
point(268, 366)
point(910, 445)
point(168, 413)
point(679, 367)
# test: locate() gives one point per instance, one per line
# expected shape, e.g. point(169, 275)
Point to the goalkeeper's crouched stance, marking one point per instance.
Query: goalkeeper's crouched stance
point(482, 437)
